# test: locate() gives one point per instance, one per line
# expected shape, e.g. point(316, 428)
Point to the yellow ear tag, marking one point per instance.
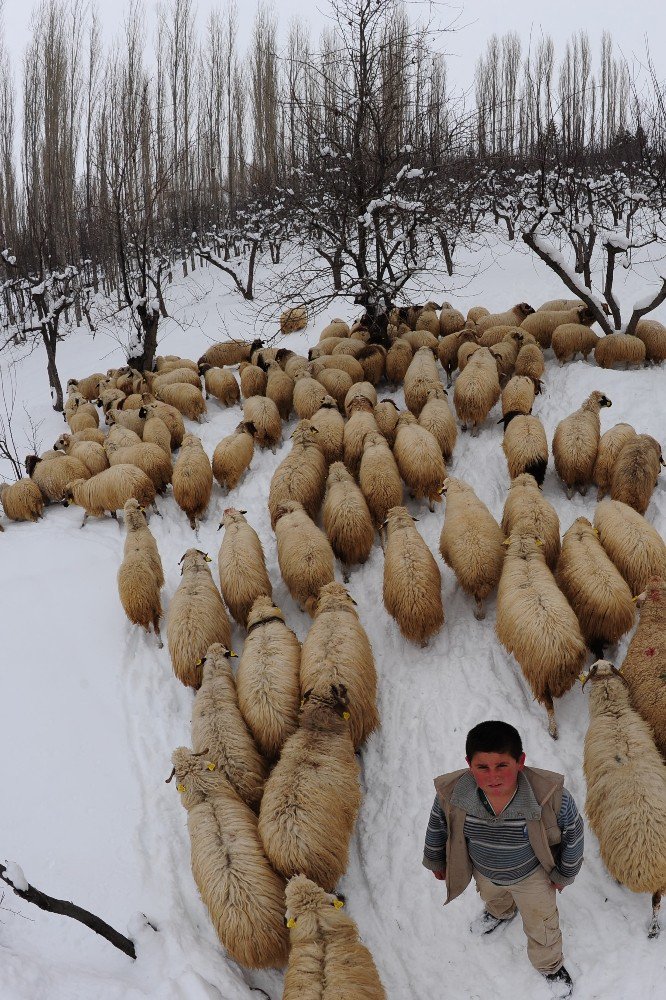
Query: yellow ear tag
point(538, 541)
point(210, 766)
point(338, 904)
point(207, 558)
point(346, 715)
point(291, 922)
point(581, 677)
point(302, 702)
point(180, 788)
point(231, 653)
point(198, 663)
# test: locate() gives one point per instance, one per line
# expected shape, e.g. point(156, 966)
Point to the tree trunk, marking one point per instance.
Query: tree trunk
point(50, 339)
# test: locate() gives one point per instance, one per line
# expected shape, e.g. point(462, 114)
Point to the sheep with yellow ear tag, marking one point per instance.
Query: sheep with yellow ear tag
point(197, 618)
point(242, 565)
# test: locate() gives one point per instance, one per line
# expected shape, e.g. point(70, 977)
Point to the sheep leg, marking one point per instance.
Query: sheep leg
point(156, 629)
point(156, 508)
point(655, 928)
point(345, 572)
point(424, 644)
point(449, 380)
point(582, 490)
point(479, 610)
point(475, 430)
point(463, 427)
point(85, 518)
point(550, 709)
point(570, 492)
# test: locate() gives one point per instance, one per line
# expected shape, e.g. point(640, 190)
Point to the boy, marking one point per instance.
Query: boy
point(517, 830)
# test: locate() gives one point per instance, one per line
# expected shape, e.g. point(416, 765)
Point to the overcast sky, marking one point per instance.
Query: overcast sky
point(631, 22)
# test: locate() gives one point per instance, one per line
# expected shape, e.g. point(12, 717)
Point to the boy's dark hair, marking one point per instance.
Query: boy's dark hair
point(493, 737)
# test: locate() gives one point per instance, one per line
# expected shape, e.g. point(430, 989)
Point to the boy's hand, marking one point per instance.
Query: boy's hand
point(440, 876)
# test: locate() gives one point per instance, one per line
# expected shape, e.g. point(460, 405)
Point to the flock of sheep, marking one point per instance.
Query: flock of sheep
point(273, 743)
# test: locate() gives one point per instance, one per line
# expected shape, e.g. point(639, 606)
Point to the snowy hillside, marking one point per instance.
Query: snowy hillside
point(91, 712)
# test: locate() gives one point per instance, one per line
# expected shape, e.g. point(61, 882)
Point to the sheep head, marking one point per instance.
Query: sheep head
point(261, 610)
point(596, 401)
point(360, 404)
point(194, 561)
point(232, 516)
point(522, 310)
point(328, 403)
point(217, 662)
point(327, 712)
point(304, 896)
point(338, 473)
point(305, 433)
point(523, 546)
point(135, 519)
point(196, 776)
point(332, 597)
point(69, 491)
point(288, 507)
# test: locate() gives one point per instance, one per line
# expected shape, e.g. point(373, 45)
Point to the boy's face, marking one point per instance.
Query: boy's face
point(496, 773)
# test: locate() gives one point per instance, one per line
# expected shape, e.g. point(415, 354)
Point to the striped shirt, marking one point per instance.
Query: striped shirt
point(500, 849)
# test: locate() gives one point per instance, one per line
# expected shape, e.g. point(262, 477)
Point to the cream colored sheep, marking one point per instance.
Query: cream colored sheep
point(52, 478)
point(437, 417)
point(253, 380)
point(352, 347)
point(155, 380)
point(495, 335)
point(336, 328)
point(292, 364)
point(294, 319)
point(530, 361)
point(569, 339)
point(280, 388)
point(109, 490)
point(88, 387)
point(536, 624)
point(346, 519)
point(155, 431)
point(525, 445)
point(475, 313)
point(610, 445)
point(218, 728)
point(325, 953)
point(429, 321)
point(90, 453)
point(619, 349)
point(242, 893)
point(505, 354)
point(386, 415)
point(593, 587)
point(653, 335)
point(412, 582)
point(420, 378)
point(450, 321)
point(267, 679)
point(110, 396)
point(169, 363)
point(471, 543)
point(170, 417)
point(192, 479)
point(344, 363)
point(512, 317)
point(22, 500)
point(361, 422)
point(197, 618)
point(242, 565)
point(129, 419)
point(150, 458)
point(308, 396)
point(518, 395)
point(324, 348)
point(419, 459)
point(373, 361)
point(305, 556)
point(398, 359)
point(527, 512)
point(186, 398)
point(120, 437)
point(360, 389)
point(140, 577)
point(543, 324)
point(447, 351)
point(89, 434)
point(559, 305)
point(233, 455)
point(228, 352)
point(421, 338)
point(635, 472)
point(465, 351)
point(265, 417)
point(301, 475)
point(626, 789)
point(221, 384)
point(312, 796)
point(631, 543)
point(576, 442)
point(379, 478)
point(477, 389)
point(330, 425)
point(644, 665)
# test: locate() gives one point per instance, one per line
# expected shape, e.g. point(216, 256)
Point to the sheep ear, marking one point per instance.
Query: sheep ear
point(181, 558)
point(507, 541)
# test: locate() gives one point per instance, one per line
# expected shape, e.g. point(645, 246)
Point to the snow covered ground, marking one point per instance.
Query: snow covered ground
point(91, 712)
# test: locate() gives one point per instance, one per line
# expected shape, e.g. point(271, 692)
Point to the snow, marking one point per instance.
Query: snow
point(92, 711)
point(14, 873)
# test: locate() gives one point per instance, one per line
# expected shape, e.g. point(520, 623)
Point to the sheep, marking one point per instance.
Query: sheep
point(233, 455)
point(52, 478)
point(308, 395)
point(505, 354)
point(192, 479)
point(336, 382)
point(475, 313)
point(593, 587)
point(110, 396)
point(301, 475)
point(280, 388)
point(140, 577)
point(312, 796)
point(421, 338)
point(188, 400)
point(261, 356)
point(576, 442)
point(495, 335)
point(477, 389)
point(412, 586)
point(398, 359)
point(346, 518)
point(197, 618)
point(428, 321)
point(325, 954)
point(242, 565)
point(242, 893)
point(619, 349)
point(536, 623)
point(22, 500)
point(109, 490)
point(352, 347)
point(253, 380)
point(336, 328)
point(626, 788)
point(631, 543)
point(450, 321)
point(527, 512)
point(543, 324)
point(129, 419)
point(169, 362)
point(419, 459)
point(330, 425)
point(653, 335)
point(218, 728)
point(471, 543)
point(264, 415)
point(361, 422)
point(512, 317)
point(90, 453)
point(88, 434)
point(465, 351)
point(530, 361)
point(559, 305)
point(170, 417)
point(447, 351)
point(344, 363)
point(221, 384)
point(267, 679)
point(386, 415)
point(571, 338)
point(436, 417)
point(88, 387)
point(324, 348)
point(82, 419)
point(294, 319)
point(154, 381)
point(518, 394)
point(373, 362)
point(525, 445)
point(292, 364)
point(379, 478)
point(305, 556)
point(360, 389)
point(644, 665)
point(228, 352)
point(421, 376)
point(336, 650)
point(610, 445)
point(120, 437)
point(150, 458)
point(155, 431)
point(635, 472)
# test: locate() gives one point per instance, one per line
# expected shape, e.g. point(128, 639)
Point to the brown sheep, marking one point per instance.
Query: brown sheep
point(512, 317)
point(264, 416)
point(52, 478)
point(304, 555)
point(543, 324)
point(253, 380)
point(140, 577)
point(419, 459)
point(653, 335)
point(280, 388)
point(361, 422)
point(530, 361)
point(644, 665)
point(186, 398)
point(412, 581)
point(301, 475)
point(398, 359)
point(197, 618)
point(450, 321)
point(233, 455)
point(635, 472)
point(22, 500)
point(241, 565)
point(192, 479)
point(525, 445)
point(610, 445)
point(632, 544)
point(447, 351)
point(228, 352)
point(477, 389)
point(330, 424)
point(571, 338)
point(576, 442)
point(527, 512)
point(386, 414)
point(619, 349)
point(379, 478)
point(346, 519)
point(518, 394)
point(221, 384)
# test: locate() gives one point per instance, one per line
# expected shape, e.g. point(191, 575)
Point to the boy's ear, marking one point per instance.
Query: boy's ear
point(521, 762)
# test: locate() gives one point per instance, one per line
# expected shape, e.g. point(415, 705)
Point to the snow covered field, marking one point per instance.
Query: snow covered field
point(91, 712)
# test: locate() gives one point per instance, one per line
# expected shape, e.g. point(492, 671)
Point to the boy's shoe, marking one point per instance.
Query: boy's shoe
point(561, 983)
point(486, 923)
